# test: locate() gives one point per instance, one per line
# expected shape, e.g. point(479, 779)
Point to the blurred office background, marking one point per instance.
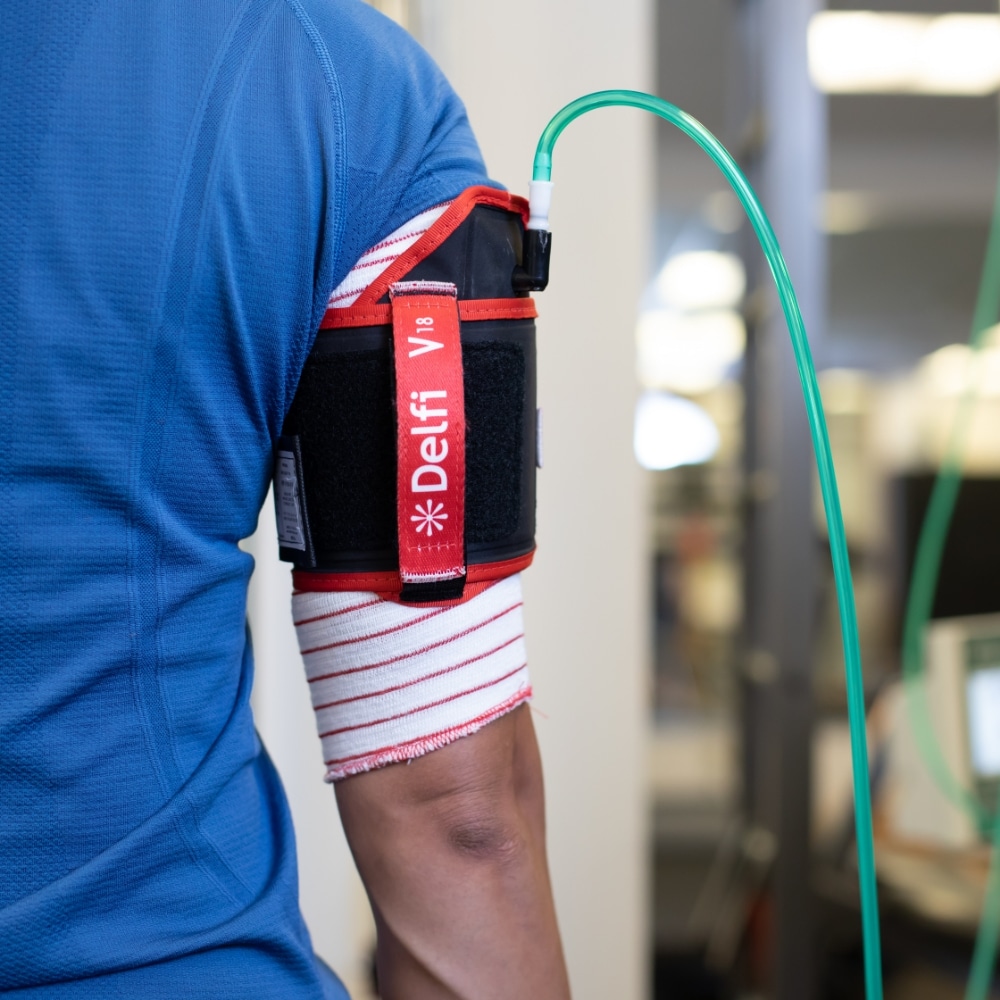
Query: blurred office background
point(682, 621)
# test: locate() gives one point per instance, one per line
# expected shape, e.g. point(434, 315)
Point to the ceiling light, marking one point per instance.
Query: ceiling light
point(702, 279)
point(670, 431)
point(879, 53)
point(688, 352)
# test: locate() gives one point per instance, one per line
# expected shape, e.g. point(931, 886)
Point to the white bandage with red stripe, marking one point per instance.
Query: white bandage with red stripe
point(374, 262)
point(390, 682)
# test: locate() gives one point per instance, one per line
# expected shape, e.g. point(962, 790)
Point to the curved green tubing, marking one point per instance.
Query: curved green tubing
point(933, 534)
point(920, 601)
point(984, 956)
point(824, 461)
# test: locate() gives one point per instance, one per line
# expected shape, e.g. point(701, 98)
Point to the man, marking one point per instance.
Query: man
point(182, 186)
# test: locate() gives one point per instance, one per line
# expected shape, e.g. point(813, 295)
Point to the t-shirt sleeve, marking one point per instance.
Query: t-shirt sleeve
point(406, 139)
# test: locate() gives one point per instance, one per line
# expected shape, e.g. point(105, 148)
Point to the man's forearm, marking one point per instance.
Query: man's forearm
point(451, 848)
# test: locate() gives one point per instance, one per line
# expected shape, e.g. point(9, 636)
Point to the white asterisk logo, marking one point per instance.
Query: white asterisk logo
point(430, 517)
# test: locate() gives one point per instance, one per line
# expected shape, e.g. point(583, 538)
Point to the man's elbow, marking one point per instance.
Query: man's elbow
point(491, 833)
point(477, 801)
point(487, 803)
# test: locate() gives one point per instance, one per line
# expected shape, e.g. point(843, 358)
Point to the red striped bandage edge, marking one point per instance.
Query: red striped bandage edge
point(438, 232)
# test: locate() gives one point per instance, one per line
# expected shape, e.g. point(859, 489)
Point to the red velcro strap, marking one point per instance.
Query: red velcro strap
point(430, 431)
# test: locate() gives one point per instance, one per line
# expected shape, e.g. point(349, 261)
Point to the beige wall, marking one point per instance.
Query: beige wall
point(585, 597)
point(515, 64)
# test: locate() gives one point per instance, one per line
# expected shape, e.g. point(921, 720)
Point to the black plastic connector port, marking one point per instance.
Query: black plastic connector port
point(533, 274)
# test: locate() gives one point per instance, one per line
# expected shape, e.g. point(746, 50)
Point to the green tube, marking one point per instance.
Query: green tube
point(824, 460)
point(984, 957)
point(920, 602)
point(934, 534)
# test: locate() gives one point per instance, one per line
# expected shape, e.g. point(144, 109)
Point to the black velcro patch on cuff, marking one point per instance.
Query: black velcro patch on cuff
point(343, 419)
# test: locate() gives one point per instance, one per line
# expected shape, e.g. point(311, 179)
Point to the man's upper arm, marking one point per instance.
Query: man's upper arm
point(451, 848)
point(476, 796)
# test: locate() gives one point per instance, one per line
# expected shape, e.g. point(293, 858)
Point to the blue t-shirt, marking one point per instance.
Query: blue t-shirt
point(181, 186)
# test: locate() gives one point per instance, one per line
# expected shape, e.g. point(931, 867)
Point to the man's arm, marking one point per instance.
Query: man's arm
point(451, 848)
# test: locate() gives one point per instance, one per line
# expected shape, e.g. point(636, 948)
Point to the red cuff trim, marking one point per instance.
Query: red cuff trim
point(388, 584)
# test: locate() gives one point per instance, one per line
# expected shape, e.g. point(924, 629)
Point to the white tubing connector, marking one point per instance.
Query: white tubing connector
point(539, 202)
